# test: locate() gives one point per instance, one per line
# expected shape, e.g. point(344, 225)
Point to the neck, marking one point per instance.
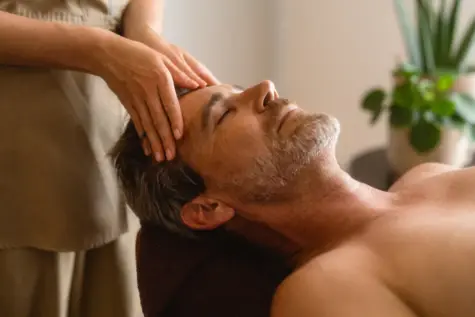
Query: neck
point(326, 208)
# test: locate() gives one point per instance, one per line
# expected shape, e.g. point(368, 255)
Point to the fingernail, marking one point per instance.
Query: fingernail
point(177, 134)
point(169, 154)
point(146, 150)
point(158, 156)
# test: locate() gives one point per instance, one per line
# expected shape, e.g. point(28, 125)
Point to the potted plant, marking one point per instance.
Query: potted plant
point(431, 105)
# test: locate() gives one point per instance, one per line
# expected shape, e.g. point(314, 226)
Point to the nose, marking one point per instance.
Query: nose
point(261, 94)
point(267, 92)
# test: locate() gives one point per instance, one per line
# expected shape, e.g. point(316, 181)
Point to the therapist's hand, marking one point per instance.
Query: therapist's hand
point(181, 59)
point(144, 80)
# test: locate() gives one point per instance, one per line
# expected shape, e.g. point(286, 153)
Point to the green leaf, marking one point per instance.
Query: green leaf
point(376, 115)
point(425, 91)
point(465, 45)
point(403, 95)
point(464, 106)
point(428, 10)
point(408, 34)
point(425, 37)
point(441, 37)
point(452, 25)
point(424, 136)
point(423, 94)
point(445, 83)
point(401, 116)
point(373, 102)
point(443, 107)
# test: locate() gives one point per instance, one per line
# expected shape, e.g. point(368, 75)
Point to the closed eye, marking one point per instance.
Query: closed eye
point(223, 116)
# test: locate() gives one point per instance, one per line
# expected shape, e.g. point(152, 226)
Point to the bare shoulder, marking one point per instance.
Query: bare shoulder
point(336, 287)
point(420, 173)
point(436, 181)
point(291, 297)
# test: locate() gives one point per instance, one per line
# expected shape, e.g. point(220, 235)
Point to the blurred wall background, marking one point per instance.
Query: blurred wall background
point(323, 54)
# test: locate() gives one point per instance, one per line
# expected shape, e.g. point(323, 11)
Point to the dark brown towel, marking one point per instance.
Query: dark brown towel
point(185, 278)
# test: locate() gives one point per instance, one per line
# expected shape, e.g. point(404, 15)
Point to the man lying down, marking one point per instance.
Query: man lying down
point(255, 165)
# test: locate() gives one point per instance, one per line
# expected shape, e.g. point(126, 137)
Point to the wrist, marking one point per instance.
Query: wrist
point(98, 49)
point(82, 48)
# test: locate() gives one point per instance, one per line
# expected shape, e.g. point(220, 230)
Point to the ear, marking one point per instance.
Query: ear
point(203, 213)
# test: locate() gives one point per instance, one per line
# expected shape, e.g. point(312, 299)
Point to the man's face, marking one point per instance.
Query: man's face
point(250, 145)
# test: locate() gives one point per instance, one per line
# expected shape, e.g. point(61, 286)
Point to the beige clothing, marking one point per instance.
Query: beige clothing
point(95, 283)
point(98, 13)
point(58, 189)
point(67, 240)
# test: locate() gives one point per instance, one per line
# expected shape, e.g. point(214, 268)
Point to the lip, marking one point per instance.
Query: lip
point(285, 115)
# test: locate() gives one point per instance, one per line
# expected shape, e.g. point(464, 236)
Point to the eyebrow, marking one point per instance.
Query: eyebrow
point(206, 114)
point(215, 98)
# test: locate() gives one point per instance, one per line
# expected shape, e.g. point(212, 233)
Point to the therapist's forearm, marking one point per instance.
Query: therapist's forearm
point(30, 42)
point(143, 14)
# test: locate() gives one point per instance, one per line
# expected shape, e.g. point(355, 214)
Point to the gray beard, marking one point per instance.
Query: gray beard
point(269, 179)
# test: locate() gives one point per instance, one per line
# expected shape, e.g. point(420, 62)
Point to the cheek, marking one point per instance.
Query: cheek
point(237, 146)
point(241, 134)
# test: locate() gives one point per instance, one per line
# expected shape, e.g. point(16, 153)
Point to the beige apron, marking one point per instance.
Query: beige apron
point(58, 189)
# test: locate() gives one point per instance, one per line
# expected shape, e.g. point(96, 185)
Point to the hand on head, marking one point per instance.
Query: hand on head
point(143, 73)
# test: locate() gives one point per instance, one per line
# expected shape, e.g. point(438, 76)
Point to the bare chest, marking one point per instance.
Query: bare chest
point(428, 259)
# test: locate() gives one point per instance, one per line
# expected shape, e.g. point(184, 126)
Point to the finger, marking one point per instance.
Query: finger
point(184, 67)
point(162, 125)
point(181, 79)
point(145, 143)
point(147, 146)
point(170, 101)
point(149, 128)
point(201, 70)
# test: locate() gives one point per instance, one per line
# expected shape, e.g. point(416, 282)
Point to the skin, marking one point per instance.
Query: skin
point(357, 251)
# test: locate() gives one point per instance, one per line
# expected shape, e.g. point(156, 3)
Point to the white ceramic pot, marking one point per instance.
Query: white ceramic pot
point(453, 149)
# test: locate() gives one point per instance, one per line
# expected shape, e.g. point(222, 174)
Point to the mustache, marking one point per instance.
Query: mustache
point(279, 102)
point(275, 107)
point(274, 110)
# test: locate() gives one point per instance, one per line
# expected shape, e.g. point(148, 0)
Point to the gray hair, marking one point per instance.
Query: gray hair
point(156, 192)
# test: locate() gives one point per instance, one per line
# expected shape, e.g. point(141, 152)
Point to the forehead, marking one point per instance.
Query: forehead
point(192, 104)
